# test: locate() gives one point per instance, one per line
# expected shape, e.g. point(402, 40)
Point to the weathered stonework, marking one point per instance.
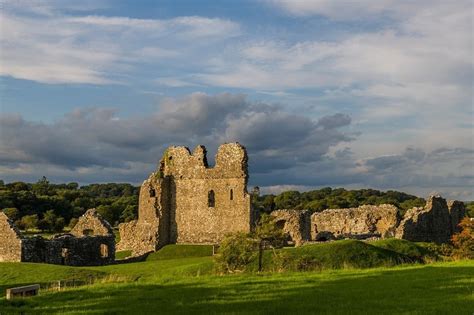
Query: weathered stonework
point(65, 249)
point(457, 211)
point(435, 222)
point(295, 223)
point(10, 240)
point(362, 222)
point(91, 223)
point(186, 201)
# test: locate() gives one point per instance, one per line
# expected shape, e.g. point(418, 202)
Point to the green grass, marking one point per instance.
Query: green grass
point(442, 288)
point(181, 251)
point(337, 255)
point(122, 254)
point(188, 285)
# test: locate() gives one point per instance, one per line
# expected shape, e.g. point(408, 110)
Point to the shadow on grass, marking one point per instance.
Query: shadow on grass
point(429, 289)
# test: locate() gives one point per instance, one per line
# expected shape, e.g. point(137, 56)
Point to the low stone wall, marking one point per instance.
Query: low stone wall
point(295, 223)
point(362, 222)
point(139, 237)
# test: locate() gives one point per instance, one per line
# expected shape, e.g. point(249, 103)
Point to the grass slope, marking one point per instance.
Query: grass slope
point(185, 285)
point(443, 288)
point(333, 255)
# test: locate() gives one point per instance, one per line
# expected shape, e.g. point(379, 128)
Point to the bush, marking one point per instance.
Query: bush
point(463, 241)
point(236, 252)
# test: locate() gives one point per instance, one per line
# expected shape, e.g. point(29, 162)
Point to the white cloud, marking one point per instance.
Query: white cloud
point(50, 47)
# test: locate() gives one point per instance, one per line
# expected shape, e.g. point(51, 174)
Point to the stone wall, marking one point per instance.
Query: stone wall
point(67, 249)
point(435, 222)
point(457, 211)
point(91, 223)
point(186, 201)
point(295, 223)
point(10, 240)
point(362, 222)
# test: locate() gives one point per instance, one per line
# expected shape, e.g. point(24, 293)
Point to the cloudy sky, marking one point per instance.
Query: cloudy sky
point(351, 94)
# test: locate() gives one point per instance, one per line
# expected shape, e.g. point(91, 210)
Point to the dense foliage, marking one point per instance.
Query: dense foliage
point(328, 198)
point(50, 207)
point(463, 241)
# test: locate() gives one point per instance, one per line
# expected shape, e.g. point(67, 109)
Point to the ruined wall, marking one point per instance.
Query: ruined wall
point(10, 240)
point(186, 201)
point(362, 222)
point(207, 203)
point(295, 223)
point(151, 230)
point(69, 250)
point(457, 211)
point(434, 222)
point(91, 223)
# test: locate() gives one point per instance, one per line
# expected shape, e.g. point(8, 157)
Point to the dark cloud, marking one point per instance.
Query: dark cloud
point(97, 138)
point(95, 145)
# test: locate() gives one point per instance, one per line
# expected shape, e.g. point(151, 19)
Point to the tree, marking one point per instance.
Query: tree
point(463, 241)
point(42, 186)
point(130, 213)
point(267, 233)
point(12, 213)
point(236, 252)
point(30, 221)
point(52, 222)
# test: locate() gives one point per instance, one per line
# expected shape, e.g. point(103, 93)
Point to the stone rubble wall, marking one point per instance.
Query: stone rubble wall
point(10, 240)
point(457, 212)
point(65, 249)
point(435, 222)
point(295, 223)
point(151, 231)
point(69, 250)
point(92, 221)
point(362, 222)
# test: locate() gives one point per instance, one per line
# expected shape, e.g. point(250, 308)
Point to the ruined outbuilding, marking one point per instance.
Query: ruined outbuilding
point(186, 201)
point(363, 222)
point(63, 249)
point(91, 223)
point(436, 222)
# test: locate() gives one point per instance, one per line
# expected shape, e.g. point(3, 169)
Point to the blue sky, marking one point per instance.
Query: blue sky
point(322, 93)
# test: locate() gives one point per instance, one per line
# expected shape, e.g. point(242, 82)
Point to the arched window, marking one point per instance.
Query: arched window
point(211, 199)
point(152, 192)
point(231, 195)
point(104, 251)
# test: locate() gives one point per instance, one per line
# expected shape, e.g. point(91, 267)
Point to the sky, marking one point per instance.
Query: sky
point(354, 94)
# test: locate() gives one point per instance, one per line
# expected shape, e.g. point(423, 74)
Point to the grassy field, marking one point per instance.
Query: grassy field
point(188, 285)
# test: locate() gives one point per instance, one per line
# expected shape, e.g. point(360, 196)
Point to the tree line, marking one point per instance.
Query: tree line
point(51, 207)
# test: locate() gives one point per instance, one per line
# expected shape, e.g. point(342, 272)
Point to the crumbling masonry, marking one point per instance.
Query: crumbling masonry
point(436, 222)
point(92, 244)
point(186, 201)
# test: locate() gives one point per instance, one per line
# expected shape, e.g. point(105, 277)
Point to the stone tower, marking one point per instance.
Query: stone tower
point(186, 201)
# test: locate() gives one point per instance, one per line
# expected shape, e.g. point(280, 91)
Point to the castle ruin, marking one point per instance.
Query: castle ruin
point(84, 248)
point(436, 222)
point(186, 201)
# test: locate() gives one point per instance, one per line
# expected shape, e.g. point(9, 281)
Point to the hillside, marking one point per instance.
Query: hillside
point(188, 284)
